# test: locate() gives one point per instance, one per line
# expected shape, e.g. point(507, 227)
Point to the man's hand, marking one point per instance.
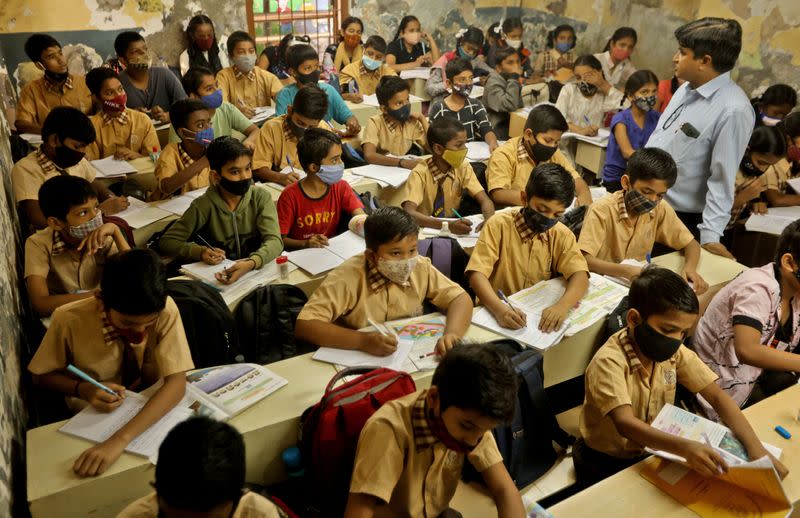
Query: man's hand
point(99, 398)
point(317, 241)
point(114, 204)
point(212, 255)
point(718, 249)
point(632, 271)
point(703, 459)
point(97, 239)
point(356, 98)
point(159, 114)
point(289, 179)
point(378, 344)
point(460, 226)
point(247, 110)
point(235, 271)
point(758, 207)
point(123, 153)
point(353, 126)
point(97, 459)
point(512, 318)
point(553, 317)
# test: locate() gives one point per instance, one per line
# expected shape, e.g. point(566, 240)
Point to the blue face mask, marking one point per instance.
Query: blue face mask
point(464, 54)
point(204, 137)
point(214, 100)
point(371, 64)
point(331, 174)
point(563, 47)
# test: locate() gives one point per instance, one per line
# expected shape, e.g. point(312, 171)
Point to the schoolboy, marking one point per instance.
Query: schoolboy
point(57, 88)
point(361, 78)
point(200, 473)
point(518, 248)
point(426, 436)
point(435, 187)
point(636, 373)
point(183, 166)
point(309, 211)
point(239, 221)
point(66, 133)
point(64, 262)
point(387, 282)
point(303, 62)
point(626, 224)
point(128, 336)
point(124, 133)
point(243, 84)
point(510, 166)
point(276, 147)
point(502, 93)
point(395, 130)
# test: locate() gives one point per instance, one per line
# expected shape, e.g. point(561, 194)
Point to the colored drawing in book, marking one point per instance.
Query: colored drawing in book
point(420, 330)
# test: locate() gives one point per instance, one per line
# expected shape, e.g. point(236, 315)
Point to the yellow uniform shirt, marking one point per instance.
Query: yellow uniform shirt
point(609, 233)
point(256, 88)
point(513, 258)
point(422, 187)
point(31, 172)
point(275, 141)
point(616, 377)
point(510, 166)
point(341, 59)
point(366, 80)
point(402, 463)
point(390, 136)
point(132, 129)
point(356, 291)
point(40, 96)
point(251, 505)
point(777, 175)
point(172, 160)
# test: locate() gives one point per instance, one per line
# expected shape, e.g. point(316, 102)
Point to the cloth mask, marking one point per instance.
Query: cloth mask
point(645, 103)
point(464, 54)
point(235, 187)
point(401, 114)
point(793, 154)
point(245, 63)
point(397, 270)
point(454, 157)
point(439, 430)
point(653, 344)
point(84, 229)
point(214, 100)
point(331, 174)
point(412, 38)
point(308, 79)
point(563, 47)
point(587, 89)
point(351, 40)
point(116, 104)
point(514, 44)
point(297, 131)
point(462, 90)
point(204, 137)
point(767, 120)
point(537, 221)
point(638, 203)
point(131, 336)
point(204, 44)
point(620, 54)
point(67, 157)
point(539, 152)
point(56, 77)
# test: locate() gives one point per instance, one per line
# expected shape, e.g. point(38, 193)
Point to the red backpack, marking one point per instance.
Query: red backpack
point(330, 429)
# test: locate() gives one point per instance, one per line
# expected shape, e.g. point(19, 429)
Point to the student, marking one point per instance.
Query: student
point(468, 46)
point(128, 336)
point(426, 436)
point(309, 211)
point(150, 89)
point(202, 47)
point(350, 48)
point(387, 282)
point(183, 166)
point(243, 84)
point(273, 57)
point(64, 262)
point(66, 133)
point(411, 47)
point(616, 57)
point(511, 32)
point(666, 89)
point(517, 249)
point(303, 64)
point(585, 102)
point(201, 472)
point(626, 224)
point(636, 372)
point(57, 88)
point(239, 221)
point(503, 91)
point(631, 127)
point(778, 193)
point(436, 186)
point(774, 104)
point(493, 34)
point(124, 133)
point(511, 165)
point(276, 147)
point(557, 54)
point(460, 106)
point(359, 79)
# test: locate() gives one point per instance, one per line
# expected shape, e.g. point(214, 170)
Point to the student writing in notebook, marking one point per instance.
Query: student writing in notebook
point(778, 192)
point(243, 84)
point(585, 102)
point(359, 79)
point(387, 282)
point(128, 336)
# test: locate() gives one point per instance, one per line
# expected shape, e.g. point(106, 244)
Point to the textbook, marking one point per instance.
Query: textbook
point(391, 176)
point(339, 249)
point(110, 167)
point(180, 204)
point(262, 113)
point(140, 214)
point(774, 221)
point(248, 282)
point(416, 73)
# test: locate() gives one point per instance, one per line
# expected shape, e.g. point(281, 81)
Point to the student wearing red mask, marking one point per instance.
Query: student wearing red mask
point(202, 47)
point(778, 193)
point(616, 58)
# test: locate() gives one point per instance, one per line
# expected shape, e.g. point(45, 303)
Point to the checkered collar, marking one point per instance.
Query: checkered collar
point(58, 88)
point(621, 207)
point(438, 174)
point(630, 354)
point(185, 158)
point(110, 334)
point(109, 118)
point(423, 434)
point(59, 245)
point(364, 72)
point(377, 281)
point(288, 134)
point(251, 76)
point(522, 153)
point(47, 165)
point(391, 123)
point(522, 227)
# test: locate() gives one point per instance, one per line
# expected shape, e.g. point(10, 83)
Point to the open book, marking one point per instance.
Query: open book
point(339, 249)
point(140, 214)
point(179, 204)
point(391, 176)
point(774, 221)
point(465, 240)
point(110, 167)
point(206, 273)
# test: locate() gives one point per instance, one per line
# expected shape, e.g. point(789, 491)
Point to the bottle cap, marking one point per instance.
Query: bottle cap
point(281, 259)
point(291, 457)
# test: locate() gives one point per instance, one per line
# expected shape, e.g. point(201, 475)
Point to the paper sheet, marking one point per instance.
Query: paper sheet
point(350, 358)
point(601, 139)
point(767, 223)
point(347, 244)
point(140, 214)
point(263, 113)
point(416, 73)
point(794, 183)
point(109, 167)
point(180, 204)
point(465, 240)
point(287, 170)
point(477, 90)
point(528, 335)
point(479, 151)
point(32, 138)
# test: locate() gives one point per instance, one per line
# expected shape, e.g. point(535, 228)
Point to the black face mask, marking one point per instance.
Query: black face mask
point(237, 188)
point(297, 131)
point(537, 221)
point(748, 168)
point(56, 77)
point(67, 157)
point(307, 79)
point(539, 152)
point(653, 344)
point(401, 114)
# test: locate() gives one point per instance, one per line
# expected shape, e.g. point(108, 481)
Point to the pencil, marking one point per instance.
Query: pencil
point(379, 328)
point(85, 377)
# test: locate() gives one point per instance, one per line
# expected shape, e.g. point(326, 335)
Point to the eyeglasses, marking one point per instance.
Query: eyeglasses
point(672, 117)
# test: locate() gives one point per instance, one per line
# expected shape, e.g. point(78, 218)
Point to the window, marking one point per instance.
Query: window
point(271, 20)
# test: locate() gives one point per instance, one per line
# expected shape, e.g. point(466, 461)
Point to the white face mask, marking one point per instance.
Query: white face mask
point(514, 44)
point(84, 229)
point(397, 271)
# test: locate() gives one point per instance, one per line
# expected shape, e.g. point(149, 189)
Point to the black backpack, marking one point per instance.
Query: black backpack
point(210, 329)
point(265, 319)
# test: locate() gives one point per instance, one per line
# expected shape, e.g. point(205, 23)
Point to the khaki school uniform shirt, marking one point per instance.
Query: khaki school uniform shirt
point(390, 136)
point(251, 505)
point(423, 184)
point(510, 166)
point(366, 81)
point(275, 141)
point(31, 172)
point(256, 88)
point(131, 129)
point(401, 462)
point(40, 96)
point(777, 175)
point(66, 270)
point(172, 160)
point(80, 334)
point(513, 257)
point(356, 291)
point(609, 233)
point(616, 377)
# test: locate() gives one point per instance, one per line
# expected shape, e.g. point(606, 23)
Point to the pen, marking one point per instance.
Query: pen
point(353, 87)
point(422, 356)
point(648, 257)
point(708, 443)
point(379, 328)
point(85, 377)
point(505, 299)
point(289, 161)
point(204, 241)
point(586, 120)
point(459, 216)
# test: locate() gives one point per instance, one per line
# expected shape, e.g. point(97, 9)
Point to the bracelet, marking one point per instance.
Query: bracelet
point(76, 391)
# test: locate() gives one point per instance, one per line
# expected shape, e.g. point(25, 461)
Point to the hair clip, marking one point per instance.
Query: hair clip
point(461, 33)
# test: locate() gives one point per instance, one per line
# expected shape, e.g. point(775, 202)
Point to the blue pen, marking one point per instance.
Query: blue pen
point(505, 299)
point(648, 257)
point(783, 432)
point(586, 120)
point(85, 377)
point(353, 87)
point(289, 161)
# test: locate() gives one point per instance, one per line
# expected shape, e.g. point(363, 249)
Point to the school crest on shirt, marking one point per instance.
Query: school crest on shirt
point(670, 378)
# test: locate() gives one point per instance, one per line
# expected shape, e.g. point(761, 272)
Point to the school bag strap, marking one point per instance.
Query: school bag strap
point(342, 374)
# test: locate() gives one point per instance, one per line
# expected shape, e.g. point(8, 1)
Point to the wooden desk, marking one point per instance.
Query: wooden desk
point(590, 156)
point(417, 87)
point(516, 123)
point(145, 174)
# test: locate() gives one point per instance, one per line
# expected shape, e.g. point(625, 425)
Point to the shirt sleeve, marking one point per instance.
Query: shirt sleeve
point(26, 106)
point(434, 86)
point(567, 257)
point(486, 454)
point(286, 211)
point(487, 250)
point(37, 259)
point(692, 373)
point(339, 110)
point(275, 85)
point(222, 80)
point(671, 231)
point(501, 95)
point(176, 92)
point(441, 290)
point(268, 228)
point(559, 158)
point(345, 76)
point(264, 154)
point(414, 188)
point(498, 171)
point(175, 241)
point(606, 385)
point(564, 100)
point(371, 134)
point(348, 200)
point(238, 121)
point(593, 232)
point(283, 100)
point(150, 139)
point(380, 460)
point(482, 119)
point(335, 297)
point(750, 305)
point(52, 352)
point(612, 100)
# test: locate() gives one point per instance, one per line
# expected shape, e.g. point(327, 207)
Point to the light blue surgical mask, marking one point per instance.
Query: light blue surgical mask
point(371, 64)
point(214, 100)
point(331, 174)
point(563, 46)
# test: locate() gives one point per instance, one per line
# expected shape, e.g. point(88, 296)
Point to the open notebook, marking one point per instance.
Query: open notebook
point(140, 214)
point(246, 283)
point(391, 176)
point(339, 249)
point(110, 167)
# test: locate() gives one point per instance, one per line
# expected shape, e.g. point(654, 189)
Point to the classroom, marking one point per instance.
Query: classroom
point(306, 258)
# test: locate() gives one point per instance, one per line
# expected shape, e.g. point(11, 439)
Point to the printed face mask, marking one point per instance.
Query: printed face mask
point(351, 40)
point(645, 103)
point(454, 157)
point(245, 63)
point(235, 187)
point(84, 229)
point(214, 100)
point(204, 137)
point(587, 89)
point(140, 63)
point(397, 270)
point(402, 114)
point(331, 174)
point(462, 90)
point(638, 203)
point(371, 64)
point(653, 344)
point(537, 221)
point(115, 105)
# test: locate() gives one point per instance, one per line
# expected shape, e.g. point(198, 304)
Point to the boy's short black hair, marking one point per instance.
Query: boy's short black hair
point(657, 291)
point(310, 101)
point(789, 242)
point(97, 76)
point(68, 122)
point(503, 53)
point(313, 147)
point(651, 163)
point(124, 40)
point(223, 150)
point(546, 117)
point(456, 66)
point(719, 38)
point(134, 282)
point(296, 55)
point(180, 110)
point(550, 181)
point(443, 129)
point(60, 193)
point(193, 78)
point(201, 465)
point(36, 44)
point(769, 140)
point(387, 225)
point(236, 38)
point(477, 377)
point(377, 43)
point(388, 87)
